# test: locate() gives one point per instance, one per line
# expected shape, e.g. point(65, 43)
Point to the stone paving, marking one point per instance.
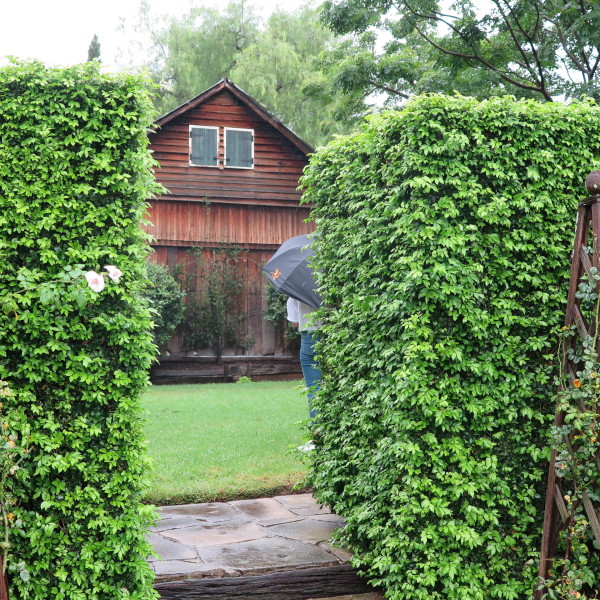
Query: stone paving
point(244, 537)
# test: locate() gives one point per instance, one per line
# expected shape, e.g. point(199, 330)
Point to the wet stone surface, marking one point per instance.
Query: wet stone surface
point(218, 533)
point(264, 509)
point(244, 537)
point(267, 555)
point(307, 530)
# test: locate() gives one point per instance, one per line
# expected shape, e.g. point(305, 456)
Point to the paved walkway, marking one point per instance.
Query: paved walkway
point(271, 548)
point(244, 537)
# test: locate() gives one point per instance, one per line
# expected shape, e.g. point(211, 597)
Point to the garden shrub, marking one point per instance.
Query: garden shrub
point(75, 174)
point(443, 248)
point(165, 297)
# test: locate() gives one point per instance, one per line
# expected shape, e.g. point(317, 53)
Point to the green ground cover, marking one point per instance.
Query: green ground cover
point(224, 441)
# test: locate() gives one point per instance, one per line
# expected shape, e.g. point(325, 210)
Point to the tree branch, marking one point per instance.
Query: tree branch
point(536, 70)
point(563, 42)
point(532, 45)
point(388, 89)
point(594, 68)
point(508, 78)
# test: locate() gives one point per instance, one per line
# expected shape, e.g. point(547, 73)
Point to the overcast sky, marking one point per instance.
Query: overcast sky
point(59, 32)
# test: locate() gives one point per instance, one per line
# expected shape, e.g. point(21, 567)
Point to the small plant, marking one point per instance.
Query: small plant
point(244, 379)
point(276, 313)
point(14, 450)
point(165, 297)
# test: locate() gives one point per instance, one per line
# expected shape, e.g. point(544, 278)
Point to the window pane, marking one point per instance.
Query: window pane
point(204, 146)
point(239, 148)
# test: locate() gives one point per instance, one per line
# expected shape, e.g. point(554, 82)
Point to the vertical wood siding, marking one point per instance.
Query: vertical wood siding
point(187, 223)
point(252, 302)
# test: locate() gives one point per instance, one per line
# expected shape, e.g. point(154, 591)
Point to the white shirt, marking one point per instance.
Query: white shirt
point(301, 313)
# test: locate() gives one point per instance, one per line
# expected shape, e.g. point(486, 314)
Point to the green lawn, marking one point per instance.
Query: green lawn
point(224, 441)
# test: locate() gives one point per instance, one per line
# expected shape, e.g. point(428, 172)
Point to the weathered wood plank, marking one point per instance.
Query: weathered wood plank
point(202, 369)
point(289, 585)
point(3, 585)
point(238, 224)
point(273, 188)
point(560, 504)
point(592, 516)
point(580, 322)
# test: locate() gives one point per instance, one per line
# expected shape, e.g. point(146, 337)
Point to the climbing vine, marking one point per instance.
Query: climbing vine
point(575, 570)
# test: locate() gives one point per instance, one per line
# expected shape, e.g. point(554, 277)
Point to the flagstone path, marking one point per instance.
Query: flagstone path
point(267, 548)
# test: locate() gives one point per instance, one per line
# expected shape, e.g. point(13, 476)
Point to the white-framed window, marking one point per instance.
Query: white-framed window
point(239, 148)
point(204, 146)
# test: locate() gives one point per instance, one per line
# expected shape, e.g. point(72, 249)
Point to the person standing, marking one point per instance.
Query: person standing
point(302, 316)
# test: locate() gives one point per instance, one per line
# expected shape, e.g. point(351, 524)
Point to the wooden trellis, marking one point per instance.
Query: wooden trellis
point(585, 257)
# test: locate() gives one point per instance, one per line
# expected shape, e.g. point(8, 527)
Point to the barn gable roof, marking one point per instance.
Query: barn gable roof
point(244, 98)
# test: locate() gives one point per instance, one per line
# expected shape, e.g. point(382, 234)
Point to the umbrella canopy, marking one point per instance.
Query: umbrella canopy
point(290, 273)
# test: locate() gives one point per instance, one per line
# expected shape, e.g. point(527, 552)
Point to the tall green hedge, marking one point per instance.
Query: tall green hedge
point(75, 173)
point(444, 238)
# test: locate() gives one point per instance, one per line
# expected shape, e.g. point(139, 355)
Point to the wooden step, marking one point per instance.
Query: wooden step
point(299, 584)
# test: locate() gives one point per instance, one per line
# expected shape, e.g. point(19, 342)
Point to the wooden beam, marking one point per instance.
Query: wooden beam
point(300, 584)
point(560, 504)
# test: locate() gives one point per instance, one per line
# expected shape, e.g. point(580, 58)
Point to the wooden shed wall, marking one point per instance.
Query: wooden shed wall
point(178, 223)
point(252, 301)
point(254, 209)
point(278, 163)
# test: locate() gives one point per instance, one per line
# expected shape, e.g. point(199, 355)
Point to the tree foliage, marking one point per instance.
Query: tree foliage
point(276, 63)
point(94, 49)
point(444, 236)
point(532, 48)
point(202, 47)
point(279, 69)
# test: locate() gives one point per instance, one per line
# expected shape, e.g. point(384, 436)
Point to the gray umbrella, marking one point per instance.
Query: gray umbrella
point(290, 272)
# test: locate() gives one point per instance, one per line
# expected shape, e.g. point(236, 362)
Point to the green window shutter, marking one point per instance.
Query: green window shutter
point(204, 146)
point(239, 146)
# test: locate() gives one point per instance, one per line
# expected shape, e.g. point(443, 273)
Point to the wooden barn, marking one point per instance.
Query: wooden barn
point(231, 170)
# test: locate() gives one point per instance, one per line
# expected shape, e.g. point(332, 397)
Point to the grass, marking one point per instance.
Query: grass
point(224, 441)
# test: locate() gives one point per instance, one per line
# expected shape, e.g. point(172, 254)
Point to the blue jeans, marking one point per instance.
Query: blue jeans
point(310, 367)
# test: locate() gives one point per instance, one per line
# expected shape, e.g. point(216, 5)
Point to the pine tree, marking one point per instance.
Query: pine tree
point(94, 50)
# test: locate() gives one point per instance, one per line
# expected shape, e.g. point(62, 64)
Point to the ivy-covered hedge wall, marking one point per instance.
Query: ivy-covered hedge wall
point(444, 238)
point(75, 174)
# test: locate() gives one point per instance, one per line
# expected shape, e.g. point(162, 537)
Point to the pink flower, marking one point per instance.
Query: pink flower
point(95, 281)
point(113, 273)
